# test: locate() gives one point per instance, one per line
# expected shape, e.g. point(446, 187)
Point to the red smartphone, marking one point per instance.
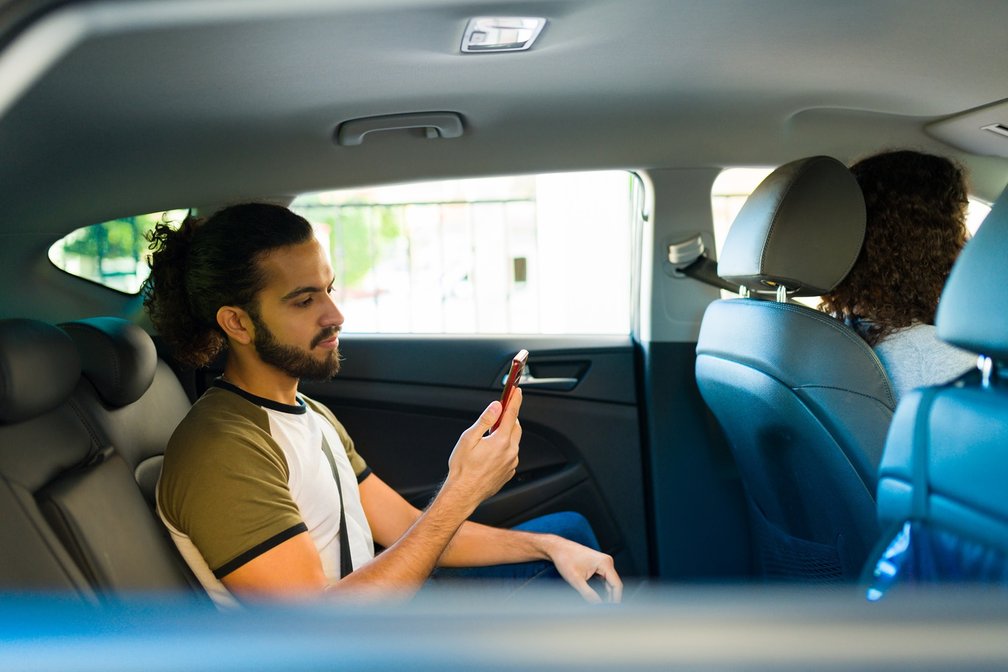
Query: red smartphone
point(517, 366)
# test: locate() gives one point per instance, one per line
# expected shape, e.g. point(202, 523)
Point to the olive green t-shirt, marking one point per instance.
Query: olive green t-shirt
point(243, 474)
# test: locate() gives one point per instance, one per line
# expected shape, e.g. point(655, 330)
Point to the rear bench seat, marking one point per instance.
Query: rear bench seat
point(136, 401)
point(79, 458)
point(41, 438)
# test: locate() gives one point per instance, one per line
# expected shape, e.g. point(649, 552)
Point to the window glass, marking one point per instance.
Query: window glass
point(976, 211)
point(112, 253)
point(730, 191)
point(540, 254)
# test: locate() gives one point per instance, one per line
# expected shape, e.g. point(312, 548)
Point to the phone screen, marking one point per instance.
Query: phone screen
point(517, 365)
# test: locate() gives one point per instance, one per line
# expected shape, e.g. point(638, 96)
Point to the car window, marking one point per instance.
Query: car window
point(976, 212)
point(538, 254)
point(112, 253)
point(729, 192)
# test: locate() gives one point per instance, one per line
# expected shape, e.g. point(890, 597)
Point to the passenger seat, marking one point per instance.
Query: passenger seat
point(941, 487)
point(804, 402)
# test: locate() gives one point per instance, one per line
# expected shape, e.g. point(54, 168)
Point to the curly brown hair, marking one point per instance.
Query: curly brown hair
point(206, 264)
point(916, 227)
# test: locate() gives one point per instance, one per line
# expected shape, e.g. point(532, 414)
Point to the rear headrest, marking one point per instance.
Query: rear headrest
point(972, 310)
point(39, 368)
point(118, 357)
point(802, 227)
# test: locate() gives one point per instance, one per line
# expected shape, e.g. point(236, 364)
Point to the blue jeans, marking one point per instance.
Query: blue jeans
point(568, 524)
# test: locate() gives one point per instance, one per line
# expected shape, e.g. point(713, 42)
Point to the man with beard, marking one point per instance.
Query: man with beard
point(262, 489)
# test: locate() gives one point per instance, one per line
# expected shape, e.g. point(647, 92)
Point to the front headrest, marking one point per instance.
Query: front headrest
point(39, 368)
point(971, 312)
point(118, 357)
point(802, 227)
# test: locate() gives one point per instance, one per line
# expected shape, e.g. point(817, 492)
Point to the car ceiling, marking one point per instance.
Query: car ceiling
point(114, 108)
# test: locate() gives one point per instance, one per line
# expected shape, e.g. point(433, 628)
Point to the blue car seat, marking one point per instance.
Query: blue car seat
point(943, 482)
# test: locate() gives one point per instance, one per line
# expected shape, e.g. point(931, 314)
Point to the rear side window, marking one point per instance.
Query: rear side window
point(113, 253)
point(539, 254)
point(730, 191)
point(536, 254)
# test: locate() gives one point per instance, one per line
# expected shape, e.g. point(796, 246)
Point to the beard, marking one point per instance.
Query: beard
point(293, 361)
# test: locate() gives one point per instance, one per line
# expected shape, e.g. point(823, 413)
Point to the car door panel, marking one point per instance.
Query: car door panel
point(406, 399)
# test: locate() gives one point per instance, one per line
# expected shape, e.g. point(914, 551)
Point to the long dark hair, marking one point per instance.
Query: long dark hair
point(916, 208)
point(209, 263)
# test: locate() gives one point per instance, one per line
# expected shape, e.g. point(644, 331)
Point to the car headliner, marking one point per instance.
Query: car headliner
point(116, 108)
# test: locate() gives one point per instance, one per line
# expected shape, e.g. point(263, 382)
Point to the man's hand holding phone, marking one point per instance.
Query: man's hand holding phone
point(484, 459)
point(514, 374)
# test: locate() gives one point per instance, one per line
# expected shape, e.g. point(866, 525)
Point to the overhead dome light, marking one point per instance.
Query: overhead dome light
point(500, 33)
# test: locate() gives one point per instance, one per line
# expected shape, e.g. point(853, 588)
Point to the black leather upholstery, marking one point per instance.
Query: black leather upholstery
point(804, 402)
point(109, 530)
point(133, 402)
point(118, 357)
point(38, 368)
point(139, 400)
point(798, 229)
point(943, 474)
point(41, 436)
point(72, 517)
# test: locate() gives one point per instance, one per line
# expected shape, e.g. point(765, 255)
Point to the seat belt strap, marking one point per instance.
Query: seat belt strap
point(919, 466)
point(705, 270)
point(346, 562)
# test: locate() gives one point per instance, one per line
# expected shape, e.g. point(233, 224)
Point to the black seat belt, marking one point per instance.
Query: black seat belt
point(689, 257)
point(346, 562)
point(704, 269)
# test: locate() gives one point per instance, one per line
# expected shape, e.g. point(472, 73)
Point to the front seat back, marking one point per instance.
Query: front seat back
point(802, 399)
point(941, 493)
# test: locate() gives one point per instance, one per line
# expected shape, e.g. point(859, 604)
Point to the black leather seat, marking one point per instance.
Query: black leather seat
point(41, 437)
point(73, 516)
point(804, 402)
point(941, 495)
point(137, 402)
point(132, 401)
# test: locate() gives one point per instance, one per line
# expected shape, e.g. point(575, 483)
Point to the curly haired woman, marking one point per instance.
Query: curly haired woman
point(916, 210)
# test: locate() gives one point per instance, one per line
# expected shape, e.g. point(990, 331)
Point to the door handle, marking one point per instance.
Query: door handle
point(528, 380)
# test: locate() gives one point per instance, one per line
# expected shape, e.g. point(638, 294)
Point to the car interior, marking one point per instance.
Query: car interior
point(738, 452)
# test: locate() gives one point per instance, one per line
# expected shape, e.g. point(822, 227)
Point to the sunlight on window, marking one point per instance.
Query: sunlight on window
point(543, 254)
point(976, 211)
point(113, 253)
point(730, 191)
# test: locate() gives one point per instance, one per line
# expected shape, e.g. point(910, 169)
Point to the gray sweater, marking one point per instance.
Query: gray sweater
point(915, 357)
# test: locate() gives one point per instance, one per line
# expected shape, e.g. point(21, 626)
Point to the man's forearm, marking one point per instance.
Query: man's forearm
point(476, 545)
point(478, 466)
